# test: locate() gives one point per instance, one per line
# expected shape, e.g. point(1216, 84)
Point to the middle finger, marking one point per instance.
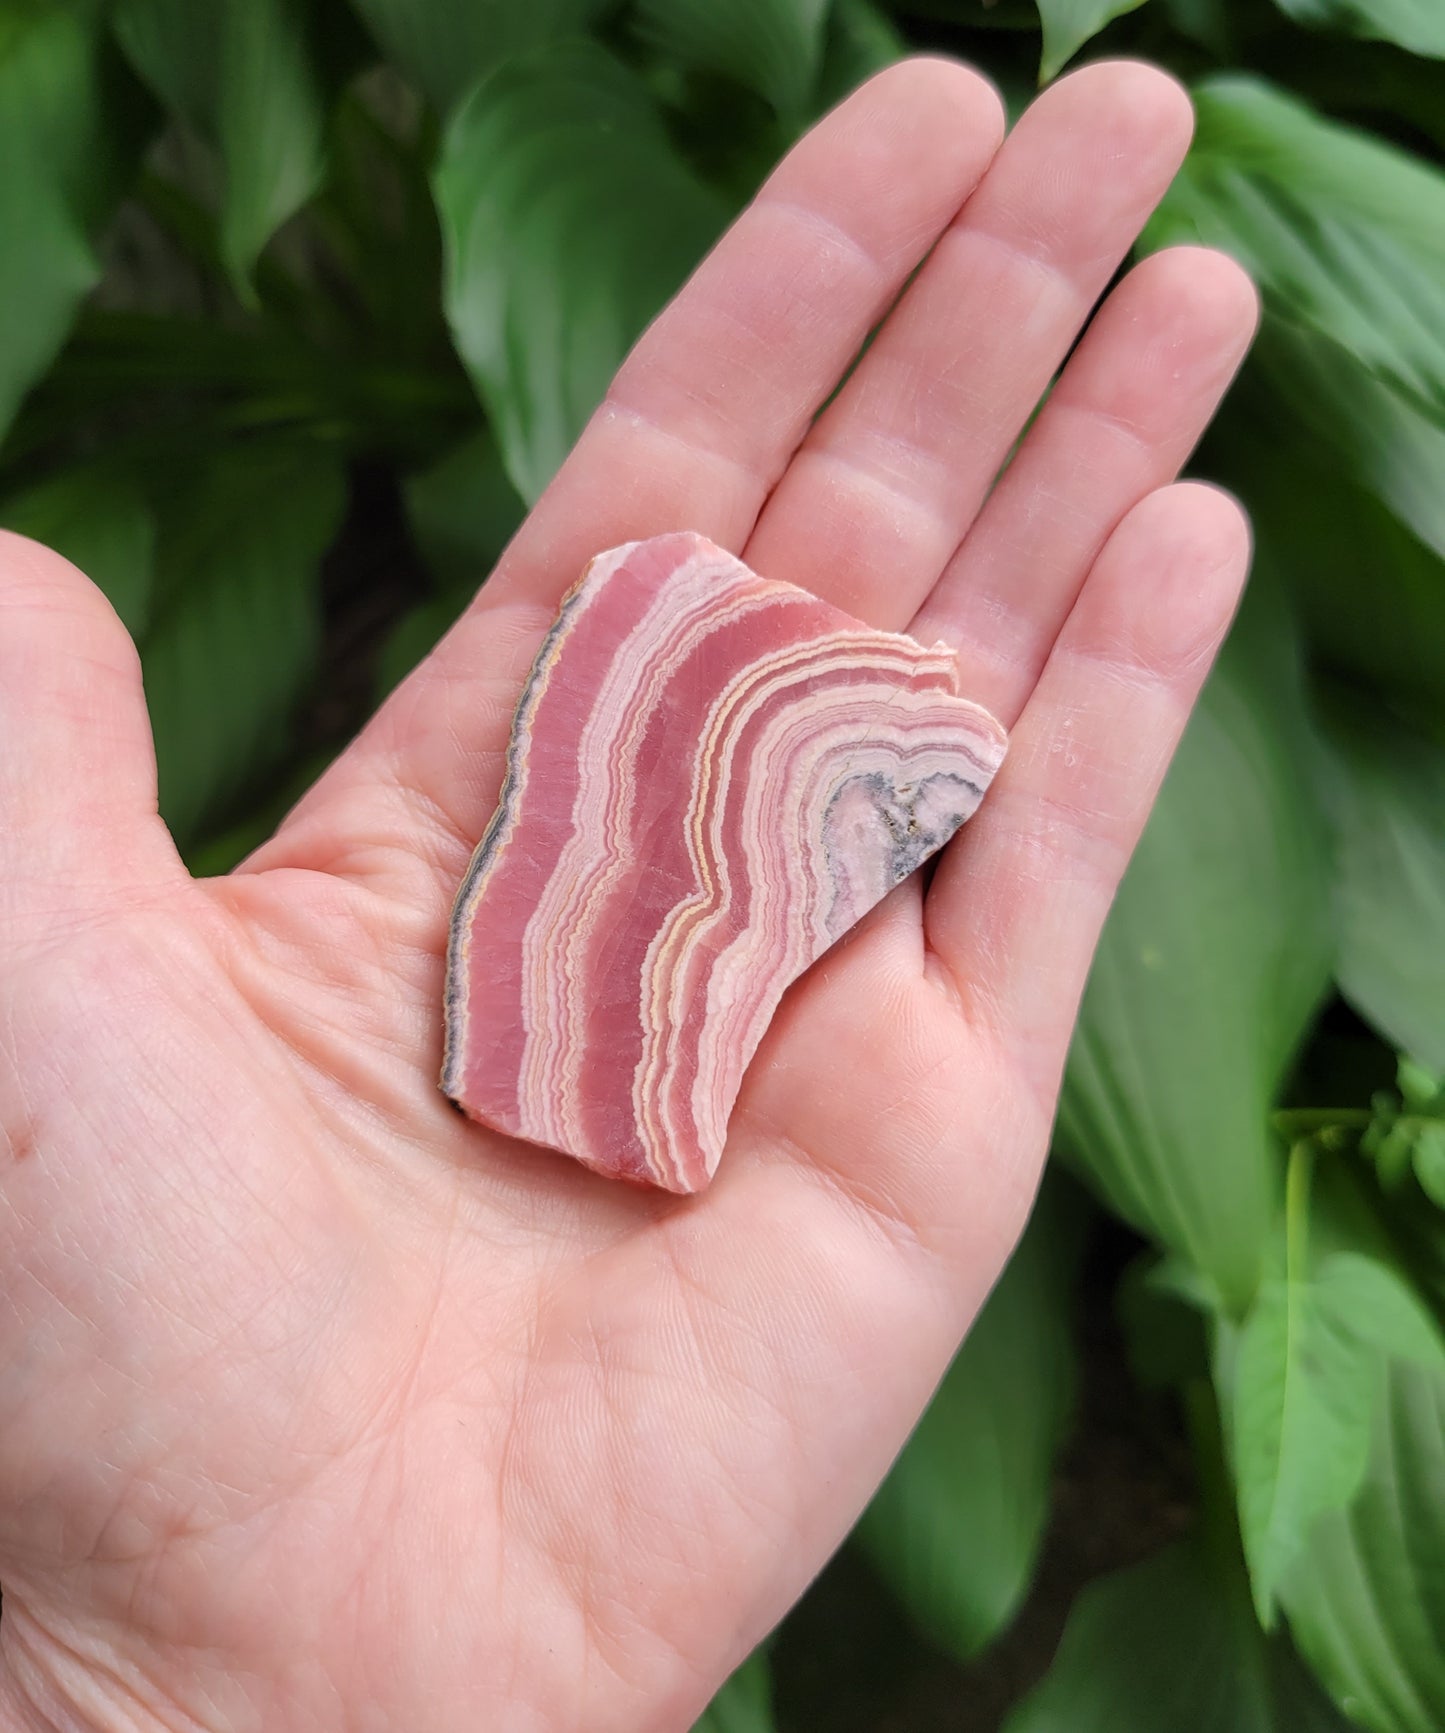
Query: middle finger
point(892, 474)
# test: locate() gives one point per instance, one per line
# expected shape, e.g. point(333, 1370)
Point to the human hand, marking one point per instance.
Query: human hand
point(321, 1408)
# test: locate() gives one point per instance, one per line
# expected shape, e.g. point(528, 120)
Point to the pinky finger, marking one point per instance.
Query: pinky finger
point(1015, 909)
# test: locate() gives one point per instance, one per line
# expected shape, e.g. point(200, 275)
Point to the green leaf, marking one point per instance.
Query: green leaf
point(1422, 1090)
point(237, 626)
point(1306, 1378)
point(68, 135)
point(1172, 1644)
point(243, 74)
point(1405, 1141)
point(175, 46)
point(101, 524)
point(1388, 786)
point(745, 1703)
point(955, 1528)
point(1418, 25)
point(861, 40)
point(568, 221)
point(447, 45)
point(771, 46)
point(1429, 1160)
point(1209, 971)
point(1344, 233)
point(1406, 1136)
point(1162, 1315)
point(1069, 24)
point(379, 221)
point(271, 124)
point(1393, 1154)
point(1370, 593)
point(1363, 428)
point(1366, 1599)
point(463, 512)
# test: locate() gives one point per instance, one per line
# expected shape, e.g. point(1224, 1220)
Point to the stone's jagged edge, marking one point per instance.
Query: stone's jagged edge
point(494, 837)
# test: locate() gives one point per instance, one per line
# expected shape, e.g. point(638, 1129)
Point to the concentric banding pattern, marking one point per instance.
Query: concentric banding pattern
point(712, 776)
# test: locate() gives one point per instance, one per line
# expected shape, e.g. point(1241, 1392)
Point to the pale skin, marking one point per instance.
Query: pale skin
point(323, 1409)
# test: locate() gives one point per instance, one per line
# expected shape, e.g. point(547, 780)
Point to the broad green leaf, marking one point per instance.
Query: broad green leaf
point(1418, 25)
point(568, 221)
point(1388, 787)
point(237, 623)
point(771, 46)
point(1363, 427)
point(68, 134)
point(175, 45)
point(241, 73)
point(1366, 1598)
point(271, 124)
point(101, 524)
point(1163, 1313)
point(955, 1528)
point(1209, 971)
point(1370, 593)
point(462, 512)
point(1344, 233)
point(1069, 24)
point(745, 1703)
point(861, 40)
point(447, 45)
point(1307, 1380)
point(379, 221)
point(1171, 1646)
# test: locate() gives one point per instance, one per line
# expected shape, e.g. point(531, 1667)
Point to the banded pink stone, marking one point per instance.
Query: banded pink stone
point(712, 776)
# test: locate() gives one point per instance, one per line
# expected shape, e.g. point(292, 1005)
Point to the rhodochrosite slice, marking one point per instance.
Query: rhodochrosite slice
point(711, 777)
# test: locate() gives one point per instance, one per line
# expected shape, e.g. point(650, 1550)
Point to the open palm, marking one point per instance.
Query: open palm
point(320, 1408)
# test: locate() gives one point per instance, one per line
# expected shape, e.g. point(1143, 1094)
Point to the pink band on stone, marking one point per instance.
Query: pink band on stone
point(712, 776)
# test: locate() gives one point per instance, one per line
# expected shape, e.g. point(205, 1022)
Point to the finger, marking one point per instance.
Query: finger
point(706, 411)
point(1015, 909)
point(1127, 411)
point(77, 766)
point(886, 484)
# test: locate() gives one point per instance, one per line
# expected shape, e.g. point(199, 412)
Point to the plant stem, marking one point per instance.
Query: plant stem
point(1296, 1209)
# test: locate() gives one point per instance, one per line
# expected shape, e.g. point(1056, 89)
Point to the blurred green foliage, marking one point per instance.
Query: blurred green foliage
point(305, 299)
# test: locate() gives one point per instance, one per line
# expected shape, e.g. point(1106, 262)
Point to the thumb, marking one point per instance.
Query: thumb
point(78, 820)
